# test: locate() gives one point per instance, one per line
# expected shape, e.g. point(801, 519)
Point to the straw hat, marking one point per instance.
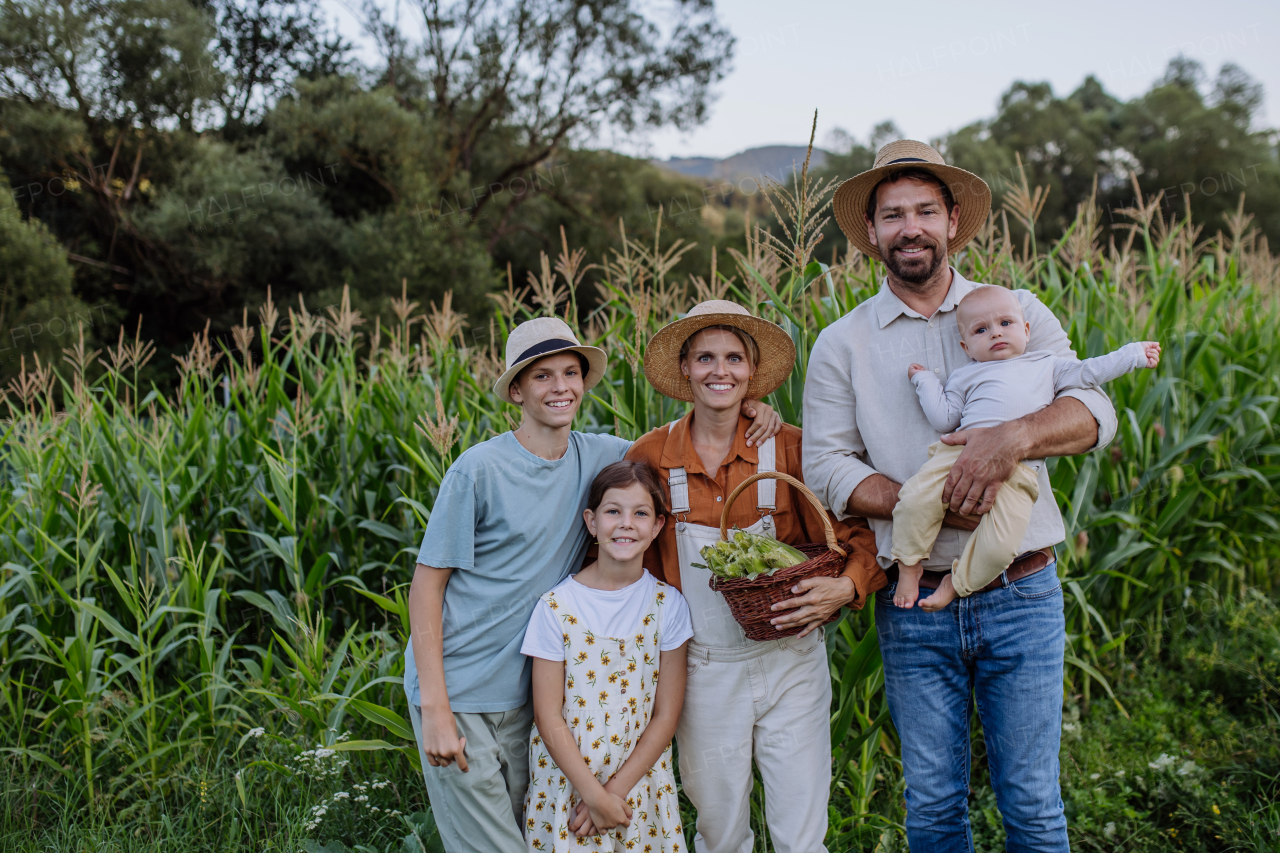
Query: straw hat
point(541, 337)
point(970, 192)
point(662, 355)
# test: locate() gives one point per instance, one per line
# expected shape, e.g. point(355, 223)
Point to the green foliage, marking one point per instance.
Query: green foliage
point(192, 155)
point(1184, 137)
point(215, 579)
point(37, 306)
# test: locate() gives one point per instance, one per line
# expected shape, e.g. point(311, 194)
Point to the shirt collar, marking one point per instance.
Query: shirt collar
point(678, 450)
point(889, 307)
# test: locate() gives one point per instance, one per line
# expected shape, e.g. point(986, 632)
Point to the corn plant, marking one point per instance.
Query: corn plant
point(185, 575)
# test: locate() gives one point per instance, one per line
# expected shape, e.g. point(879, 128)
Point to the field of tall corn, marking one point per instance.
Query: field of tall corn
point(203, 594)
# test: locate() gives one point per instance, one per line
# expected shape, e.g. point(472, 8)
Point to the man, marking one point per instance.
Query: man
point(506, 527)
point(866, 434)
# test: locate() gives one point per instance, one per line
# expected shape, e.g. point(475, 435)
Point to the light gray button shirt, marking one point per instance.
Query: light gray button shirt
point(862, 415)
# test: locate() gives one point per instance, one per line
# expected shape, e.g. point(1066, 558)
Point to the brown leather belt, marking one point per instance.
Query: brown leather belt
point(1024, 566)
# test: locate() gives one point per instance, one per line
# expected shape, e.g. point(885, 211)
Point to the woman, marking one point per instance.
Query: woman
point(768, 699)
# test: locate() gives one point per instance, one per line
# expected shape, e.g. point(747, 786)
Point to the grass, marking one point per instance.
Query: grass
point(199, 590)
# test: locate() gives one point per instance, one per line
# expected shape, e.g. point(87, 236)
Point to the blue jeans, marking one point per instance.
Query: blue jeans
point(1004, 648)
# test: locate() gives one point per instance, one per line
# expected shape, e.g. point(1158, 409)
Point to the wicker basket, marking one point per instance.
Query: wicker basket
point(749, 599)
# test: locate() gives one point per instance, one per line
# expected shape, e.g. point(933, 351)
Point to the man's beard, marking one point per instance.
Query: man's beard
point(917, 273)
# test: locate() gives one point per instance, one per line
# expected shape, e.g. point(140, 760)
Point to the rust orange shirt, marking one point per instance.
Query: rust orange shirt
point(796, 520)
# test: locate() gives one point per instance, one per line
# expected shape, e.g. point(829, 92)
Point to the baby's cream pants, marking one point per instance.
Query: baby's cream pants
point(992, 547)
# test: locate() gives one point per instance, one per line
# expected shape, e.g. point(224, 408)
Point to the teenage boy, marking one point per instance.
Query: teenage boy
point(506, 527)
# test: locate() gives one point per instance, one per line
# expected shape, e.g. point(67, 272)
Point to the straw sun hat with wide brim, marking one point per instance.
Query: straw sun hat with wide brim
point(970, 192)
point(539, 338)
point(662, 355)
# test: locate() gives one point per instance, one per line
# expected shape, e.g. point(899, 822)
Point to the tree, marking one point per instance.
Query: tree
point(1201, 147)
point(261, 47)
point(39, 315)
point(511, 82)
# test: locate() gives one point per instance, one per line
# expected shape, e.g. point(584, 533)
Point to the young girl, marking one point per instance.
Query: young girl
point(601, 775)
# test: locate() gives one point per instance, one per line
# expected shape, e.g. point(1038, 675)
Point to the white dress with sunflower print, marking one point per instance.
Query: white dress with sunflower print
point(609, 686)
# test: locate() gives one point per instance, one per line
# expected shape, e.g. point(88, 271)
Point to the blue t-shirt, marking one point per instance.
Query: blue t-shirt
point(509, 524)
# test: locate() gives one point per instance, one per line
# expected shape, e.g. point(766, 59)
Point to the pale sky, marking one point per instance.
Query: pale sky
point(933, 67)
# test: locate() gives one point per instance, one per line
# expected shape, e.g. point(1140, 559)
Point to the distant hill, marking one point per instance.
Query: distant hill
point(774, 161)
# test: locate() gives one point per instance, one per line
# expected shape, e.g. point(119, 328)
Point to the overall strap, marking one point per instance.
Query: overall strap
point(679, 484)
point(767, 490)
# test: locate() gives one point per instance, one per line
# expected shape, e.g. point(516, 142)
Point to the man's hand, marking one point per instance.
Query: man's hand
point(913, 369)
point(989, 458)
point(765, 422)
point(817, 599)
point(440, 739)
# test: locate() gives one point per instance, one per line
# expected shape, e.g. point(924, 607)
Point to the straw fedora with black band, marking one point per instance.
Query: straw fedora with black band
point(970, 192)
point(662, 355)
point(539, 338)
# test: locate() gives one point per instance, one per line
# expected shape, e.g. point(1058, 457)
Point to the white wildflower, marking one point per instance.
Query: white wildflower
point(1095, 775)
point(257, 732)
point(1109, 830)
point(341, 795)
point(1188, 768)
point(1163, 762)
point(325, 753)
point(363, 798)
point(1119, 774)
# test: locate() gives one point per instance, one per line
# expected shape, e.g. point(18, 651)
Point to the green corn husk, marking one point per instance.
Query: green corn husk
point(748, 555)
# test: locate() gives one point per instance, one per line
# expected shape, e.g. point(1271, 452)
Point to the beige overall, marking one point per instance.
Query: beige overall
point(768, 700)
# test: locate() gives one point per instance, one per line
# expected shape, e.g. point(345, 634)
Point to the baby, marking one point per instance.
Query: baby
point(1002, 383)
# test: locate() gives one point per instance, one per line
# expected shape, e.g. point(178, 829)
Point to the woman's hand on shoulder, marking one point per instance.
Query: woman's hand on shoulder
point(765, 421)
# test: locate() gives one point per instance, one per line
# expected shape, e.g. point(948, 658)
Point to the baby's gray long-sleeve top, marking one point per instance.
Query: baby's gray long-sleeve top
point(862, 417)
point(990, 393)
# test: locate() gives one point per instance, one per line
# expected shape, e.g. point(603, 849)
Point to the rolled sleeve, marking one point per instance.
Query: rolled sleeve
point(1047, 334)
point(1102, 409)
point(833, 446)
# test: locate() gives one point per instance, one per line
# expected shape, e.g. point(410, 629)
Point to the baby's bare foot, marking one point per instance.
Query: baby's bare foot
point(908, 586)
point(942, 596)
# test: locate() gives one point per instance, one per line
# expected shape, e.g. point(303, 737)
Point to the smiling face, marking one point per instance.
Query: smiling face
point(912, 228)
point(992, 327)
point(719, 368)
point(625, 523)
point(550, 390)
